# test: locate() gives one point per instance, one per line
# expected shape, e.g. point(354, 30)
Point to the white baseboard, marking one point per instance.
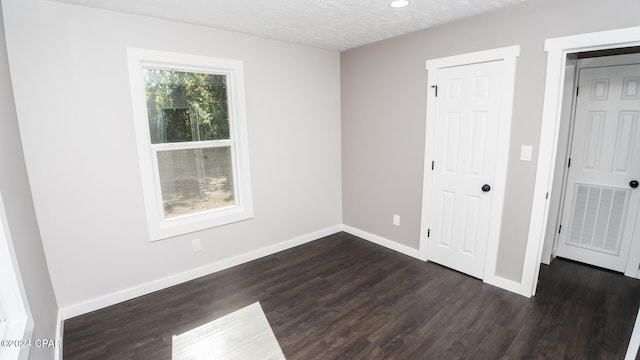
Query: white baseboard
point(497, 281)
point(506, 284)
point(127, 294)
point(403, 249)
point(634, 343)
point(130, 293)
point(114, 298)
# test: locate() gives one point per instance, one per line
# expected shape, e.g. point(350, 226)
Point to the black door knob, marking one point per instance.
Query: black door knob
point(487, 188)
point(633, 184)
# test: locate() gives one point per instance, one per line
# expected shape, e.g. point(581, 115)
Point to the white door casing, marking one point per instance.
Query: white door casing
point(502, 61)
point(556, 198)
point(557, 50)
point(16, 313)
point(605, 157)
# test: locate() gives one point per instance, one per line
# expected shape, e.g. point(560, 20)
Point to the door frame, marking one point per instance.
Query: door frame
point(557, 50)
point(508, 56)
point(557, 198)
point(19, 323)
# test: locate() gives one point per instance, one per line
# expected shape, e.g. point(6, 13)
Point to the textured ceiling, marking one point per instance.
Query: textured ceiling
point(328, 24)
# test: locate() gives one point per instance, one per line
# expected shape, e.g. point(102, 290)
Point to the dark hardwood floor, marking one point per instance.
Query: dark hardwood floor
point(345, 298)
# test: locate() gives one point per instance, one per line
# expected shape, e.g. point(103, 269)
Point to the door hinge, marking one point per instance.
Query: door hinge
point(435, 87)
point(433, 164)
point(547, 196)
point(569, 163)
point(560, 229)
point(577, 90)
point(428, 232)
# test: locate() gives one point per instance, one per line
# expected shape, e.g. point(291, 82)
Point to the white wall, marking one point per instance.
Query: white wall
point(69, 68)
point(383, 113)
point(21, 217)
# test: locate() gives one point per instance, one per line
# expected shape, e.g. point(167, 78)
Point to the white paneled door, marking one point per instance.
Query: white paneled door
point(467, 117)
point(601, 198)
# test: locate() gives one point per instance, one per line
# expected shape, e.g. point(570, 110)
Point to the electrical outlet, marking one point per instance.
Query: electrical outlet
point(196, 245)
point(396, 220)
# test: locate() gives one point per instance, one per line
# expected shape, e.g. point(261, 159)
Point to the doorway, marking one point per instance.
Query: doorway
point(557, 50)
point(465, 153)
point(599, 169)
point(469, 106)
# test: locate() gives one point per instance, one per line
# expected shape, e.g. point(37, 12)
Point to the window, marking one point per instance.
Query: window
point(192, 140)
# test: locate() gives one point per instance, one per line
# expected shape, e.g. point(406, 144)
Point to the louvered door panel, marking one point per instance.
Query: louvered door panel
point(598, 214)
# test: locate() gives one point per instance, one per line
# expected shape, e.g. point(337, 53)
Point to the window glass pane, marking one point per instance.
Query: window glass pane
point(195, 180)
point(186, 106)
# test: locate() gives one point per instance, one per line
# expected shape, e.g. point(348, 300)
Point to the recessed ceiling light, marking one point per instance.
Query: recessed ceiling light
point(399, 3)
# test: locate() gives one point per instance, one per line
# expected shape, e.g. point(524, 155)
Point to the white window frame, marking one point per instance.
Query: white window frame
point(159, 227)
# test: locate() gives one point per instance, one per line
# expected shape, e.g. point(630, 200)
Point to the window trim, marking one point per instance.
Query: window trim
point(159, 227)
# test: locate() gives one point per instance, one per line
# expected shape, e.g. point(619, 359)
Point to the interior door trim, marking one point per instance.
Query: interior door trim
point(509, 56)
point(557, 50)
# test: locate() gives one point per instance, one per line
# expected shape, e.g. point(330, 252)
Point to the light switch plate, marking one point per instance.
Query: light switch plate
point(195, 243)
point(525, 152)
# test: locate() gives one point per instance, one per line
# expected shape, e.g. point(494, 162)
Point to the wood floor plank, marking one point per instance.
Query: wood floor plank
point(341, 297)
